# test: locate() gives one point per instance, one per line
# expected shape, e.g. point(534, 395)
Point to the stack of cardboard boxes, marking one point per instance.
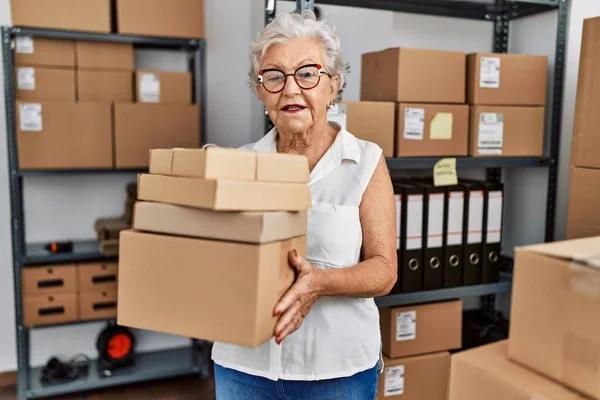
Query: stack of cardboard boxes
point(553, 348)
point(414, 103)
point(584, 192)
point(416, 340)
point(208, 253)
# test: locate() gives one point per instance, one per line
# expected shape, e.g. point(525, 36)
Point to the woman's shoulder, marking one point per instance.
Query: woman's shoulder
point(366, 147)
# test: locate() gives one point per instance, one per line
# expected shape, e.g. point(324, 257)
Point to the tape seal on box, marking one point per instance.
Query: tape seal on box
point(584, 276)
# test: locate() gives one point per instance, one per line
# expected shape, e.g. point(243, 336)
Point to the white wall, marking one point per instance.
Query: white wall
point(235, 117)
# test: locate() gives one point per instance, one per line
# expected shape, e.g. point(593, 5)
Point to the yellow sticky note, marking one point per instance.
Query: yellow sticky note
point(444, 172)
point(441, 126)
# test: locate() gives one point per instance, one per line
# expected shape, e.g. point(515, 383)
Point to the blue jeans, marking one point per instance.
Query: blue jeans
point(234, 385)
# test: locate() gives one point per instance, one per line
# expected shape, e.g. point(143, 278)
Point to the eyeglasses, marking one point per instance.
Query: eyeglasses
point(306, 77)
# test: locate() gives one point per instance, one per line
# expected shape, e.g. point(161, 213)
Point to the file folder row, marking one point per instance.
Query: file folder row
point(447, 236)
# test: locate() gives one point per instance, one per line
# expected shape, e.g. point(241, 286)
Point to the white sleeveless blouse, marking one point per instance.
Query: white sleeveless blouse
point(340, 335)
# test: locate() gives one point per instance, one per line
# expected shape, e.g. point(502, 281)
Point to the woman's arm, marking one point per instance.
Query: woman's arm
point(373, 277)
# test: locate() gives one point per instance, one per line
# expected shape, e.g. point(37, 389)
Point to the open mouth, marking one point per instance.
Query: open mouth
point(293, 108)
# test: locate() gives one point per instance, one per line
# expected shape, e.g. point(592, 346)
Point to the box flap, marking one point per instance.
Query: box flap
point(584, 251)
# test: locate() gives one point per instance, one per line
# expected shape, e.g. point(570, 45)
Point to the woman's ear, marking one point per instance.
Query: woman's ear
point(334, 87)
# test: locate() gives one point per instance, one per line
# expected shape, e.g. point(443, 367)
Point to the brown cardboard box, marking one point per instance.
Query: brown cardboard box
point(104, 55)
point(414, 75)
point(44, 52)
point(249, 227)
point(44, 84)
point(426, 328)
point(141, 127)
point(430, 130)
point(50, 309)
point(88, 15)
point(583, 219)
point(175, 18)
point(163, 87)
point(373, 121)
point(224, 195)
point(486, 373)
point(230, 164)
point(506, 131)
point(100, 304)
point(104, 86)
point(555, 324)
point(53, 279)
point(586, 129)
point(166, 283)
point(415, 378)
point(64, 135)
point(507, 79)
point(94, 277)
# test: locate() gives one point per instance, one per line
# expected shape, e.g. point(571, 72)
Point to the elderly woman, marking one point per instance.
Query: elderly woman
point(327, 341)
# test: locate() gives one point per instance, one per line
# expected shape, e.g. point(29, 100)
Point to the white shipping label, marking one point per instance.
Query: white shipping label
point(490, 137)
point(475, 217)
point(456, 204)
point(489, 72)
point(394, 381)
point(398, 198)
point(414, 123)
point(406, 326)
point(24, 44)
point(414, 222)
point(435, 220)
point(149, 88)
point(30, 116)
point(494, 220)
point(26, 78)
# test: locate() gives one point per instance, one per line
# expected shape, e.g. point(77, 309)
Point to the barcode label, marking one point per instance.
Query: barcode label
point(30, 116)
point(149, 88)
point(414, 123)
point(26, 78)
point(393, 381)
point(406, 326)
point(489, 72)
point(24, 44)
point(490, 136)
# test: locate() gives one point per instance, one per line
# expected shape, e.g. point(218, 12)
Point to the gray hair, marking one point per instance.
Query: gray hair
point(290, 26)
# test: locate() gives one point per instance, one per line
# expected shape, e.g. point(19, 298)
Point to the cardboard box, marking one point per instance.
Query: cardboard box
point(486, 373)
point(230, 164)
point(430, 130)
point(224, 195)
point(94, 277)
point(249, 227)
point(104, 56)
point(141, 127)
point(44, 52)
point(414, 75)
point(175, 18)
point(44, 84)
point(204, 289)
point(421, 329)
point(415, 378)
point(53, 279)
point(507, 79)
point(50, 309)
point(54, 135)
point(583, 218)
point(555, 324)
point(506, 131)
point(104, 86)
point(88, 15)
point(98, 305)
point(586, 128)
point(163, 87)
point(373, 121)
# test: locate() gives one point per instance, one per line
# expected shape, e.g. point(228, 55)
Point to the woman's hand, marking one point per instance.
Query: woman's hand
point(298, 300)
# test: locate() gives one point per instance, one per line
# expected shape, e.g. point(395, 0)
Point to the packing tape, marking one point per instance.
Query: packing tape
point(207, 145)
point(584, 280)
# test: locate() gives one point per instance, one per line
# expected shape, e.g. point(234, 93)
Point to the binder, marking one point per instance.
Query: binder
point(492, 235)
point(473, 232)
point(453, 235)
point(398, 193)
point(411, 240)
point(433, 234)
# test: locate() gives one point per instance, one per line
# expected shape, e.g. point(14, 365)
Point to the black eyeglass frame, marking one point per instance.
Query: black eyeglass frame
point(318, 66)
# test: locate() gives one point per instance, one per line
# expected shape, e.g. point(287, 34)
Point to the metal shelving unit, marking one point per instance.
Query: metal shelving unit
point(499, 13)
point(148, 366)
